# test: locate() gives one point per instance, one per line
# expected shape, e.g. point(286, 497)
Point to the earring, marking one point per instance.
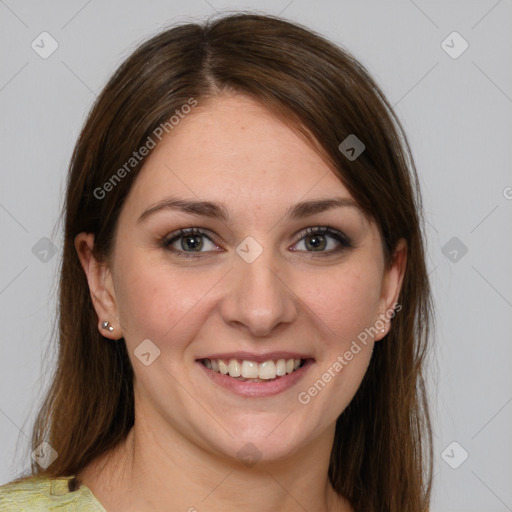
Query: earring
point(106, 325)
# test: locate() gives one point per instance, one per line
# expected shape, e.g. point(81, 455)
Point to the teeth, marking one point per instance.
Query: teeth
point(281, 367)
point(243, 370)
point(267, 370)
point(234, 368)
point(223, 367)
point(250, 369)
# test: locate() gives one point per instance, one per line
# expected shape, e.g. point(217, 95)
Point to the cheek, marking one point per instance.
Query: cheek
point(156, 301)
point(346, 301)
point(345, 305)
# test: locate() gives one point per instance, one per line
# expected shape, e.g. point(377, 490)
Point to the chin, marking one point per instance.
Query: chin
point(269, 441)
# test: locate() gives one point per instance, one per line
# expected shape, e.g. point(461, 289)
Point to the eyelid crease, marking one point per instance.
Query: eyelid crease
point(344, 241)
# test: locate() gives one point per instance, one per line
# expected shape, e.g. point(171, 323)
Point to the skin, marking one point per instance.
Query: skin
point(182, 451)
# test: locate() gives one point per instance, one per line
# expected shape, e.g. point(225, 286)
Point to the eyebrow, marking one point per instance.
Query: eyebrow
point(215, 210)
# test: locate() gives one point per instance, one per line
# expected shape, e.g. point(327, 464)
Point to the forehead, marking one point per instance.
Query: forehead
point(233, 150)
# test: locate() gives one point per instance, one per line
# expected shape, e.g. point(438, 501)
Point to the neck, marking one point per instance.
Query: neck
point(158, 469)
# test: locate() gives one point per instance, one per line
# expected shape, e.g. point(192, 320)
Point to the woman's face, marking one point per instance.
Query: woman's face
point(255, 282)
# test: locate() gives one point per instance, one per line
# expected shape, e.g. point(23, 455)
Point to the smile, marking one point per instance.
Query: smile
point(251, 379)
point(251, 371)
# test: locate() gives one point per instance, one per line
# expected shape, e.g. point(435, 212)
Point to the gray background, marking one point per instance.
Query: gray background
point(456, 112)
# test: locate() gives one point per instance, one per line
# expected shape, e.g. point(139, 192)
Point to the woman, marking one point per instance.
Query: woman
point(244, 304)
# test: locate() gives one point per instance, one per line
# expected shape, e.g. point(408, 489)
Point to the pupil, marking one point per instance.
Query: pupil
point(317, 241)
point(193, 242)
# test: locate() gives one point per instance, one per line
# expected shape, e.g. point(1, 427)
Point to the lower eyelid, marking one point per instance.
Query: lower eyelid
point(168, 242)
point(340, 248)
point(343, 242)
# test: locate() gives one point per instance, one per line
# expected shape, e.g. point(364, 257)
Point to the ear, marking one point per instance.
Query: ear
point(391, 285)
point(101, 286)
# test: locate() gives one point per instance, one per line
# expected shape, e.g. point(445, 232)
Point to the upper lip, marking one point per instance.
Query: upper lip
point(257, 358)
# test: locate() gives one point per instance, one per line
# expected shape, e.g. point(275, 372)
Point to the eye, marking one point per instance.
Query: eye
point(194, 242)
point(323, 240)
point(188, 242)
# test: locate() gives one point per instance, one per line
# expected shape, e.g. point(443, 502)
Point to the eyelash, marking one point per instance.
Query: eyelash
point(341, 238)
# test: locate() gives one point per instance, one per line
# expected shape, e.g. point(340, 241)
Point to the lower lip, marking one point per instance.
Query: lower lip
point(258, 389)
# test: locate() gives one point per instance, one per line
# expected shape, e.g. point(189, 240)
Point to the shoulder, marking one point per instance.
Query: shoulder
point(36, 493)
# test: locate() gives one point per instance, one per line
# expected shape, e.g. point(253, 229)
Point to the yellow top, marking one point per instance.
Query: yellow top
point(43, 493)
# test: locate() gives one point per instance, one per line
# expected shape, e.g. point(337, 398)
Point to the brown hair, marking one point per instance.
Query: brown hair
point(381, 458)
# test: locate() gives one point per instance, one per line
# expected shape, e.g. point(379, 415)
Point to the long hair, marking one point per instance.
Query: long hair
point(381, 459)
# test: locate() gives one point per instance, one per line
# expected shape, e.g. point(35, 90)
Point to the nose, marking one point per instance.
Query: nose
point(258, 300)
